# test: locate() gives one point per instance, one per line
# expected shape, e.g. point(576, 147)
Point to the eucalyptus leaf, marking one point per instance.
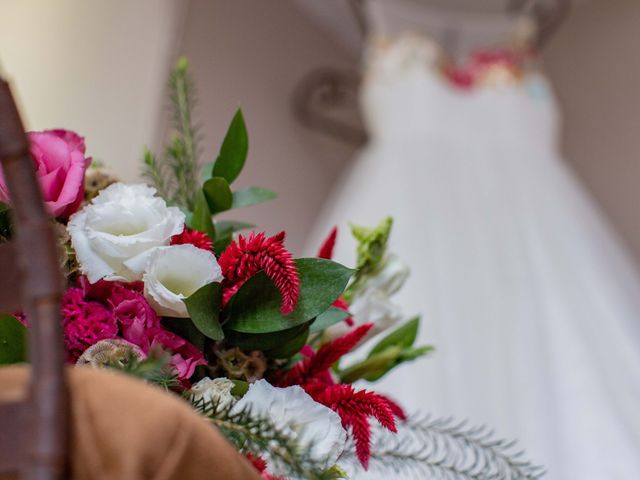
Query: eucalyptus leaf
point(252, 196)
point(204, 308)
point(256, 306)
point(201, 218)
point(13, 340)
point(234, 149)
point(218, 194)
point(330, 317)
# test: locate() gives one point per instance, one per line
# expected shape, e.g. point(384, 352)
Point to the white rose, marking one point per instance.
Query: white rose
point(310, 423)
point(173, 273)
point(121, 222)
point(217, 391)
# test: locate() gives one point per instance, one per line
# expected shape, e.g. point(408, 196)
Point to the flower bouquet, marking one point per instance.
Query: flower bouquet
point(161, 288)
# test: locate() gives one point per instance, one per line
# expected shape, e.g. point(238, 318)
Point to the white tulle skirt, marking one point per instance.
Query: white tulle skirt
point(532, 303)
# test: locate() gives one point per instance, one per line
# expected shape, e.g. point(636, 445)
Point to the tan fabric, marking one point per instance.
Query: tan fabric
point(124, 429)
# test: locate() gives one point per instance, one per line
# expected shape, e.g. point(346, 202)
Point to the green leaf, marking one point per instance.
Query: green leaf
point(256, 306)
point(233, 151)
point(391, 351)
point(264, 341)
point(240, 387)
point(13, 340)
point(218, 194)
point(330, 317)
point(225, 231)
point(290, 347)
point(405, 356)
point(204, 308)
point(231, 226)
point(403, 337)
point(201, 218)
point(252, 196)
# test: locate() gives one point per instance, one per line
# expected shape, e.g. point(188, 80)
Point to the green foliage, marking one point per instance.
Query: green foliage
point(204, 309)
point(155, 172)
point(441, 448)
point(218, 194)
point(258, 435)
point(252, 196)
point(185, 164)
point(394, 349)
point(265, 341)
point(155, 369)
point(290, 347)
point(327, 318)
point(402, 337)
point(175, 175)
point(224, 233)
point(13, 340)
point(233, 151)
point(201, 218)
point(256, 306)
point(372, 246)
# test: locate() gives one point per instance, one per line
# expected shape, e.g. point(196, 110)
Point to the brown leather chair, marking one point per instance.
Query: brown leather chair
point(81, 423)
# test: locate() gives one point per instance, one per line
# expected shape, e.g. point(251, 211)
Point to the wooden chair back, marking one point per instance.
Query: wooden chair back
point(33, 431)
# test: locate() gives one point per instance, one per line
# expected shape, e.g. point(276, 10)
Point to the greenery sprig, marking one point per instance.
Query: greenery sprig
point(175, 175)
point(437, 448)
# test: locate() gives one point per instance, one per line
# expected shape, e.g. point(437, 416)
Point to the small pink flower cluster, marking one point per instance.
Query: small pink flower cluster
point(105, 310)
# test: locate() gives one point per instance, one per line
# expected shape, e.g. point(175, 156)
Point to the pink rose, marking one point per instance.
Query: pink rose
point(59, 156)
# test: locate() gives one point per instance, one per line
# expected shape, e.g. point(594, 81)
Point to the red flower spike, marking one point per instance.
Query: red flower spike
point(261, 466)
point(257, 461)
point(308, 370)
point(396, 409)
point(354, 408)
point(193, 237)
point(326, 249)
point(247, 256)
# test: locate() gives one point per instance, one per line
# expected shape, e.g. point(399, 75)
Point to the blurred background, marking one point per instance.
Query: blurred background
point(100, 67)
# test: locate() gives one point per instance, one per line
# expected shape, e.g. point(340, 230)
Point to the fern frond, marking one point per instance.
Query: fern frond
point(259, 436)
point(433, 448)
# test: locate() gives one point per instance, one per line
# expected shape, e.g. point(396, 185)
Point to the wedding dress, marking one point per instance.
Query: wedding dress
point(530, 299)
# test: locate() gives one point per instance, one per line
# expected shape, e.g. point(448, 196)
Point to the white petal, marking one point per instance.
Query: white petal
point(122, 222)
point(174, 273)
point(313, 424)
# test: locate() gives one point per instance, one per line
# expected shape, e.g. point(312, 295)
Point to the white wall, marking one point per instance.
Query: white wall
point(94, 66)
point(595, 65)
